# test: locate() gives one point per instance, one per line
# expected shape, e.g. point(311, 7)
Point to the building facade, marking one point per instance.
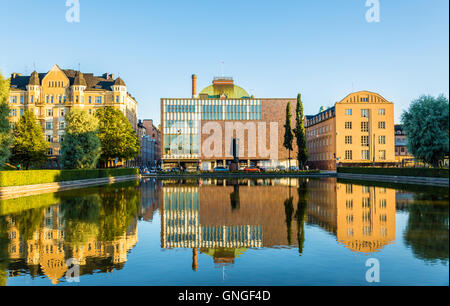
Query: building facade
point(51, 95)
point(198, 132)
point(154, 133)
point(357, 130)
point(401, 142)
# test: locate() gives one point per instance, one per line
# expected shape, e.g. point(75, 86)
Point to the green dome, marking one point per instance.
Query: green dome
point(230, 91)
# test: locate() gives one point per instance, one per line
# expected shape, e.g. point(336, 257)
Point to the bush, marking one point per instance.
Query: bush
point(30, 177)
point(419, 172)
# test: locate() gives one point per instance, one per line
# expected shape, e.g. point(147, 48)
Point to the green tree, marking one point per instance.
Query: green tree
point(81, 147)
point(29, 147)
point(6, 138)
point(427, 127)
point(299, 131)
point(288, 136)
point(117, 136)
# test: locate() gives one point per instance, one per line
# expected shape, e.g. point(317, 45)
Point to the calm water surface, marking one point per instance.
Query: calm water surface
point(228, 232)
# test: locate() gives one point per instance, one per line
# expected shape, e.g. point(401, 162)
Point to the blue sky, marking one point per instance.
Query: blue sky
point(322, 49)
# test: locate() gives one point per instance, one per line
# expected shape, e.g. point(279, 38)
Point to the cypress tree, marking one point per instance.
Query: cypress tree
point(299, 131)
point(288, 136)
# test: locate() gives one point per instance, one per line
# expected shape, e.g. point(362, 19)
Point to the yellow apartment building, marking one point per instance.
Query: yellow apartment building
point(51, 95)
point(357, 130)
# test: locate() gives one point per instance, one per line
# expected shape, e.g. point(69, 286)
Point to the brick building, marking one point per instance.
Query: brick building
point(357, 130)
point(198, 131)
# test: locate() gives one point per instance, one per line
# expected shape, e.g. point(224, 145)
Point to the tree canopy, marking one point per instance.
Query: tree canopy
point(5, 130)
point(29, 147)
point(426, 124)
point(81, 147)
point(117, 136)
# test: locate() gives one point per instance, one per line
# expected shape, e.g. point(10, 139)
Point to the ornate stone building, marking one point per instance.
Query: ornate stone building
point(51, 95)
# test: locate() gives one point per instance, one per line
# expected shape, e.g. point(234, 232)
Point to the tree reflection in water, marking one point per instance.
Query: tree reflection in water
point(301, 214)
point(427, 231)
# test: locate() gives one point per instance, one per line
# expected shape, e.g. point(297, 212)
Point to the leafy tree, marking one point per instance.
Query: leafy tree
point(288, 136)
point(81, 147)
point(29, 146)
point(299, 131)
point(426, 124)
point(117, 136)
point(5, 130)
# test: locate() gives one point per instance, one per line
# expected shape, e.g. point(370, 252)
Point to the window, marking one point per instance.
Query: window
point(50, 151)
point(381, 139)
point(364, 99)
point(61, 138)
point(365, 141)
point(62, 113)
point(62, 125)
point(365, 154)
point(349, 204)
point(117, 99)
point(49, 125)
point(364, 126)
point(21, 112)
point(31, 99)
point(49, 139)
point(348, 188)
point(365, 202)
point(98, 100)
point(49, 112)
point(51, 99)
point(348, 155)
point(365, 113)
point(382, 125)
point(348, 139)
point(13, 113)
point(381, 112)
point(64, 99)
point(348, 112)
point(21, 99)
point(76, 99)
point(90, 99)
point(348, 125)
point(13, 99)
point(382, 154)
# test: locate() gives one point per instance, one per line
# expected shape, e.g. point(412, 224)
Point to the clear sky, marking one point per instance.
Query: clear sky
point(322, 49)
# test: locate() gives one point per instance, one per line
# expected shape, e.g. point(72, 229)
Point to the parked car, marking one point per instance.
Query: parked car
point(294, 168)
point(281, 168)
point(221, 169)
point(252, 169)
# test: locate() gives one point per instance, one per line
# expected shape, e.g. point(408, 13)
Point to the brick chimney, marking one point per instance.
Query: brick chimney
point(194, 86)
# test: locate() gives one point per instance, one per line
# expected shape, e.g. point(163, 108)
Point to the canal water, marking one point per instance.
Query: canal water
point(228, 232)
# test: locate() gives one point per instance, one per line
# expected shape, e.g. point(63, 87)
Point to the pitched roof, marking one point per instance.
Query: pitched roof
point(34, 79)
point(92, 83)
point(79, 79)
point(119, 82)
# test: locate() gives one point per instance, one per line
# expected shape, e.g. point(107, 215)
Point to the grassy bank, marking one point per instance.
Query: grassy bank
point(417, 172)
point(31, 177)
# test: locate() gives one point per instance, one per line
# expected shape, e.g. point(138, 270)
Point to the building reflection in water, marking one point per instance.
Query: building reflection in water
point(272, 213)
point(97, 229)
